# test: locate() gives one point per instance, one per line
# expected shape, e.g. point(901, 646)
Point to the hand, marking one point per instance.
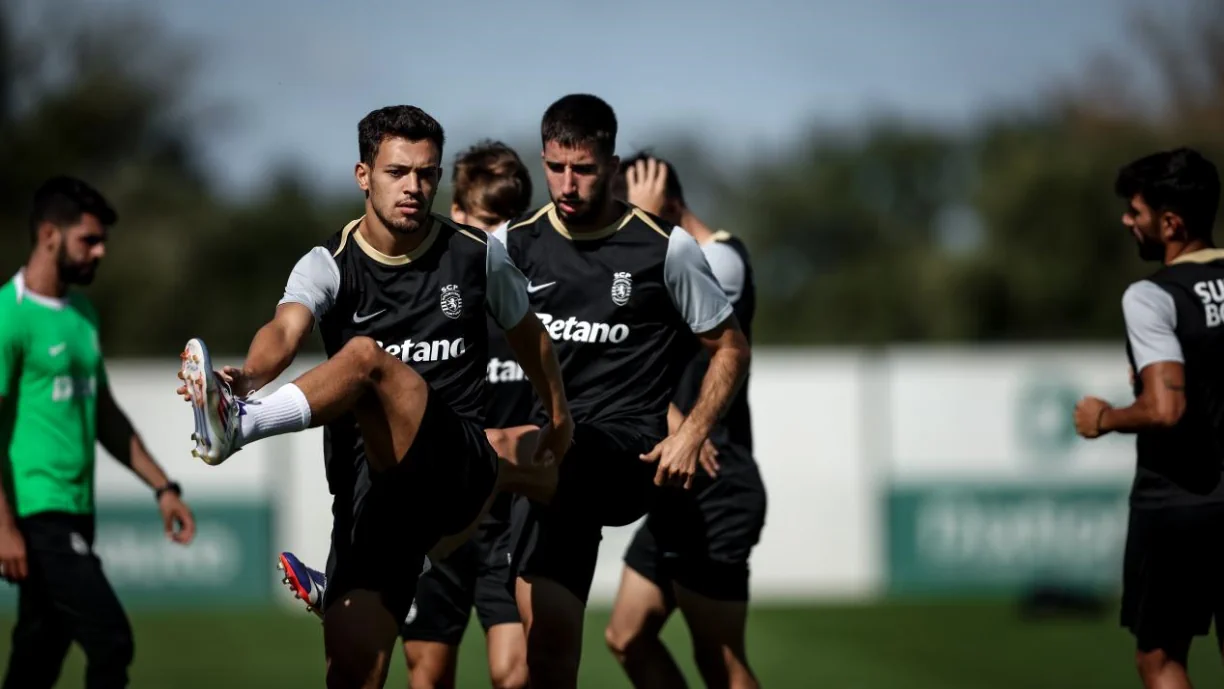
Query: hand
point(677, 456)
point(241, 385)
point(1088, 416)
point(553, 442)
point(174, 513)
point(646, 182)
point(708, 458)
point(13, 566)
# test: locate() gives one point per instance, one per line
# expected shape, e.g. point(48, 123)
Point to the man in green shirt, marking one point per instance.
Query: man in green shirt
point(55, 403)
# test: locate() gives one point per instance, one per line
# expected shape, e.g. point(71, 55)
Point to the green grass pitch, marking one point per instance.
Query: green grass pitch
point(894, 645)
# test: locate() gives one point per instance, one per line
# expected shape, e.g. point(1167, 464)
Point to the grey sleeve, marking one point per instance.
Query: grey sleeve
point(505, 286)
point(314, 282)
point(1151, 322)
point(500, 232)
point(728, 268)
point(691, 284)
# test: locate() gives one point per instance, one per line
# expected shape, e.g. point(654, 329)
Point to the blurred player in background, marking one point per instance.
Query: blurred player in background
point(1173, 571)
point(55, 403)
point(408, 461)
point(692, 552)
point(629, 300)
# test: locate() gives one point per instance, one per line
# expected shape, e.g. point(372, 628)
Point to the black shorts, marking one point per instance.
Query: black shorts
point(437, 489)
point(478, 573)
point(603, 482)
point(702, 538)
point(1172, 574)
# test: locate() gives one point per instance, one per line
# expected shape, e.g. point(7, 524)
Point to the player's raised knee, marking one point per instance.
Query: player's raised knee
point(620, 641)
point(364, 352)
point(508, 673)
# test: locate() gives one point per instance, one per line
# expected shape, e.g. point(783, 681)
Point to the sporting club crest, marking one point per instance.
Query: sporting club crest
point(622, 287)
point(452, 303)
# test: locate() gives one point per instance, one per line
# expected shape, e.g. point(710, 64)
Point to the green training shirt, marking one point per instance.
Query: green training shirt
point(50, 370)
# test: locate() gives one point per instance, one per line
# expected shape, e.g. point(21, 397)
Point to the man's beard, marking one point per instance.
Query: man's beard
point(75, 273)
point(400, 224)
point(1150, 249)
point(594, 208)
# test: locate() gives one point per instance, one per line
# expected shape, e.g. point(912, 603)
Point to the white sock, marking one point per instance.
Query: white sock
point(283, 411)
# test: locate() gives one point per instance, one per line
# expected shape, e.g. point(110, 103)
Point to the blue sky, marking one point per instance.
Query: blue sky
point(297, 76)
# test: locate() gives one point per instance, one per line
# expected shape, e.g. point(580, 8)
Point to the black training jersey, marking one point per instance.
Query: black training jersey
point(728, 258)
point(621, 305)
point(431, 309)
point(509, 393)
point(1177, 315)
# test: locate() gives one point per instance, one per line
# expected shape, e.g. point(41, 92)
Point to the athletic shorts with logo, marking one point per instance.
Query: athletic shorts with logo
point(436, 490)
point(702, 538)
point(476, 574)
point(603, 482)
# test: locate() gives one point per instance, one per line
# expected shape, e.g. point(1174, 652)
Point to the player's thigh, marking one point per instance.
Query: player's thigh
point(604, 476)
point(506, 644)
point(431, 664)
point(640, 610)
point(552, 620)
point(1172, 569)
point(448, 475)
point(715, 624)
point(561, 545)
point(358, 637)
point(390, 417)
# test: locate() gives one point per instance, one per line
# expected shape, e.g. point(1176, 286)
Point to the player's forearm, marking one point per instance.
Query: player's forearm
point(272, 350)
point(120, 439)
point(726, 373)
point(675, 418)
point(1143, 415)
point(534, 351)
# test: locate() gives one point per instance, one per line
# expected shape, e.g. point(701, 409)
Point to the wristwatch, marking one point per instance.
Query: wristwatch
point(171, 486)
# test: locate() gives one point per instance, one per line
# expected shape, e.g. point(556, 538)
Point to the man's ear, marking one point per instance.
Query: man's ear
point(362, 174)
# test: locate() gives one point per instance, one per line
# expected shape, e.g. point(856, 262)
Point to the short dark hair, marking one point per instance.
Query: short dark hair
point(672, 188)
point(1179, 181)
point(492, 177)
point(62, 200)
point(580, 119)
point(399, 121)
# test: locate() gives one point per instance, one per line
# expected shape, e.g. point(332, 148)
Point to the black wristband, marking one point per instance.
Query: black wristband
point(171, 486)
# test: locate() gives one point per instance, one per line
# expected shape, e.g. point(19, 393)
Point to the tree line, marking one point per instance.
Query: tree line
point(894, 232)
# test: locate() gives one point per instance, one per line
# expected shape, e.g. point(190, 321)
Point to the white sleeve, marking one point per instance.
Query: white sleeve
point(691, 284)
point(505, 286)
point(314, 282)
point(728, 268)
point(1151, 324)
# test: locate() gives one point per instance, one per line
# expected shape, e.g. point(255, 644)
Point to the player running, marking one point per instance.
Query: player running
point(55, 404)
point(692, 552)
point(622, 293)
point(1173, 565)
point(408, 462)
point(491, 185)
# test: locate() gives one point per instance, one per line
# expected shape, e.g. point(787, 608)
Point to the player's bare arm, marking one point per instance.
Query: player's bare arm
point(119, 438)
point(730, 356)
point(272, 350)
point(12, 546)
point(1161, 404)
point(709, 454)
point(533, 349)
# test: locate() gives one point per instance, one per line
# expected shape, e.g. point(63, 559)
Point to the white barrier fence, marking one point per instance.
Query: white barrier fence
point(903, 469)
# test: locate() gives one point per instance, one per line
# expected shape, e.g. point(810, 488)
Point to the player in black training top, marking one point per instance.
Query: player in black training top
point(1173, 572)
point(629, 300)
point(402, 298)
point(692, 552)
point(491, 185)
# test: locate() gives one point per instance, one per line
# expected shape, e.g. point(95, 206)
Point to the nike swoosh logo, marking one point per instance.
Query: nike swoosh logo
point(363, 319)
point(532, 289)
point(58, 349)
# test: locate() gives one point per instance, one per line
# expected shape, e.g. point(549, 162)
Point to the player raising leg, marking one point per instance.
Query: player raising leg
point(398, 286)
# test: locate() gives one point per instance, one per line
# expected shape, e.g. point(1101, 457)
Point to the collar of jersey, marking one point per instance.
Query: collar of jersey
point(24, 292)
point(608, 231)
point(1200, 256)
point(430, 237)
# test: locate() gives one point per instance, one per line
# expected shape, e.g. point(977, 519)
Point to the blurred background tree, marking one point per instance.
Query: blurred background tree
point(890, 232)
